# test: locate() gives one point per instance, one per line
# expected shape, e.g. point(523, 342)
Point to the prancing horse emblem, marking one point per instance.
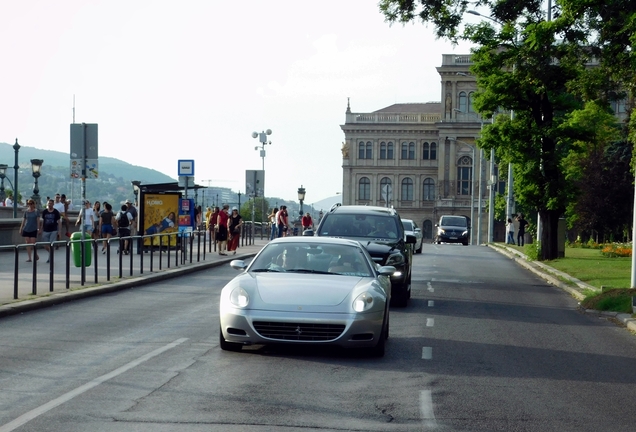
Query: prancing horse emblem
point(298, 331)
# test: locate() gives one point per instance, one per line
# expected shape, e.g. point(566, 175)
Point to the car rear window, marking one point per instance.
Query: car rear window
point(408, 226)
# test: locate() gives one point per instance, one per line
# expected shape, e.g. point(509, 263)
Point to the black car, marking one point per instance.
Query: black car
point(380, 231)
point(453, 229)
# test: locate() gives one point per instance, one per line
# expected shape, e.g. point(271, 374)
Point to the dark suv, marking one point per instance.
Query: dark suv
point(380, 230)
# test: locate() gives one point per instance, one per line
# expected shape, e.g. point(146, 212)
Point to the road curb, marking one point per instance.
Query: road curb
point(109, 287)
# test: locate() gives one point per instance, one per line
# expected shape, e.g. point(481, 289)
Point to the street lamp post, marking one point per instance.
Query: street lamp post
point(262, 138)
point(36, 166)
point(301, 198)
point(16, 167)
point(3, 175)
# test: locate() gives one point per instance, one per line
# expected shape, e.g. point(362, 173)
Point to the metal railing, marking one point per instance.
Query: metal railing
point(146, 253)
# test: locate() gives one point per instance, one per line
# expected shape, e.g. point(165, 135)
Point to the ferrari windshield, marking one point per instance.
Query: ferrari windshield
point(322, 258)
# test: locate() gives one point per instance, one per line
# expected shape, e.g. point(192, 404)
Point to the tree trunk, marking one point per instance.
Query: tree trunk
point(549, 234)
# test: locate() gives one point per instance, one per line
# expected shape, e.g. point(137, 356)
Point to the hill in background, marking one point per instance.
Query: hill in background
point(113, 184)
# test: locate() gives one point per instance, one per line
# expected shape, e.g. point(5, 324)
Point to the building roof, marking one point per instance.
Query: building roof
point(420, 108)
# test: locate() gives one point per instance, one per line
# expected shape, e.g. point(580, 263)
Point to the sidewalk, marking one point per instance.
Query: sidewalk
point(553, 276)
point(105, 283)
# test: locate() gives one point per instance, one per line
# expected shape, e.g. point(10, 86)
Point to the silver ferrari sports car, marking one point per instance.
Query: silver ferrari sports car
point(308, 290)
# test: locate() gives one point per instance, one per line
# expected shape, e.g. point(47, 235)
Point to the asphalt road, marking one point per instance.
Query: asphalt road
point(483, 346)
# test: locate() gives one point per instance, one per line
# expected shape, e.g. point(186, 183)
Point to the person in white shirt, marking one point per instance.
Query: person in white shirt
point(88, 217)
point(8, 202)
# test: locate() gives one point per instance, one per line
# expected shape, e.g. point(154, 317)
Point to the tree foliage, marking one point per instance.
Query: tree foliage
point(539, 70)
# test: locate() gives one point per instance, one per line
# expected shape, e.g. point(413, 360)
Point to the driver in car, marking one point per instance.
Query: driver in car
point(382, 232)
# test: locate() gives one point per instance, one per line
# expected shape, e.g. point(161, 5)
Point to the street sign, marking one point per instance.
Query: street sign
point(186, 167)
point(254, 183)
point(84, 150)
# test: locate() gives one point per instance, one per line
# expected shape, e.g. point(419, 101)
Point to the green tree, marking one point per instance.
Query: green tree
point(539, 70)
point(261, 209)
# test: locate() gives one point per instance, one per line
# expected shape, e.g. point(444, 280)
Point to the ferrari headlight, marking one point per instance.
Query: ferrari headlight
point(395, 260)
point(363, 302)
point(239, 297)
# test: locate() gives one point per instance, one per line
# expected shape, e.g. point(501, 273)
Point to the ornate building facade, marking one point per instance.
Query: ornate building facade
point(421, 158)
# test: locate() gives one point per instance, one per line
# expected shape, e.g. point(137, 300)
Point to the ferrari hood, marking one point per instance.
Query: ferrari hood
point(303, 289)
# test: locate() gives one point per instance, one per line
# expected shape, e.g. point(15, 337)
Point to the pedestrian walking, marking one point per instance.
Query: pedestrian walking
point(88, 217)
point(212, 224)
point(97, 209)
point(132, 209)
point(272, 223)
point(106, 224)
point(521, 230)
point(281, 221)
point(510, 228)
point(234, 224)
point(29, 227)
point(221, 229)
point(124, 221)
point(51, 225)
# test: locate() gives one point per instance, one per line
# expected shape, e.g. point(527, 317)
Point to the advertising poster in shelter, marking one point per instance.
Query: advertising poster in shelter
point(160, 217)
point(186, 215)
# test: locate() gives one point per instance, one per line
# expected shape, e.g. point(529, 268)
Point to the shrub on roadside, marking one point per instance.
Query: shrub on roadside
point(615, 250)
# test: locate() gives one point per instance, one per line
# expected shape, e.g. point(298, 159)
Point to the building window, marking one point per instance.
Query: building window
point(407, 190)
point(463, 102)
point(385, 189)
point(389, 150)
point(464, 175)
point(428, 190)
point(369, 154)
point(361, 150)
point(429, 151)
point(408, 150)
point(364, 189)
point(471, 95)
point(382, 150)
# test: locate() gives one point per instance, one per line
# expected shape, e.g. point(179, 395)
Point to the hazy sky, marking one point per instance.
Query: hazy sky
point(192, 79)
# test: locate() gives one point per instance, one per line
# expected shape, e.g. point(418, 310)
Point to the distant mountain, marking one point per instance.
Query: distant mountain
point(113, 184)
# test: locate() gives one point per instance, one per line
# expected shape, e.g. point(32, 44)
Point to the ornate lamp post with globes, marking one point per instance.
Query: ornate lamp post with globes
point(36, 165)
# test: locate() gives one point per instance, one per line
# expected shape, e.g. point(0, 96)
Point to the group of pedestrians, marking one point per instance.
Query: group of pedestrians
point(225, 228)
point(522, 224)
point(279, 222)
point(99, 222)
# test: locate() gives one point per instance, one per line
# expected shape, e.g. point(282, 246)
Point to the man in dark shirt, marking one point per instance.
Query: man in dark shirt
point(521, 231)
point(51, 224)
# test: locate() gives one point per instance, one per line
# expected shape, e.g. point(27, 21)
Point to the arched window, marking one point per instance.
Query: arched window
point(464, 175)
point(426, 147)
point(470, 102)
point(389, 150)
point(408, 150)
point(364, 189)
point(361, 150)
point(428, 190)
point(386, 189)
point(407, 190)
point(405, 151)
point(433, 151)
point(382, 150)
point(463, 102)
point(369, 154)
point(411, 150)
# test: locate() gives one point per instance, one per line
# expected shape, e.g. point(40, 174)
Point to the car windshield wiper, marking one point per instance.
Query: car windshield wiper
point(307, 271)
point(264, 270)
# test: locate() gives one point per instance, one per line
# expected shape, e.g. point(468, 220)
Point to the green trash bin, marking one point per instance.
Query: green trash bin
point(76, 249)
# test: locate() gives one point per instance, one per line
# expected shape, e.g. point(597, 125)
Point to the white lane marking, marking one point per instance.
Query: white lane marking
point(430, 322)
point(426, 408)
point(427, 354)
point(431, 303)
point(430, 287)
point(27, 417)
